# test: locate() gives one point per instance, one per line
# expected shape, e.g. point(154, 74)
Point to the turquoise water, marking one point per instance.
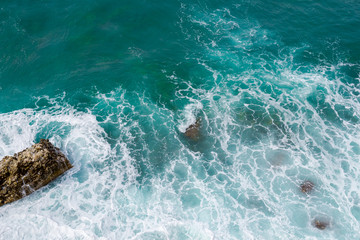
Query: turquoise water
point(115, 84)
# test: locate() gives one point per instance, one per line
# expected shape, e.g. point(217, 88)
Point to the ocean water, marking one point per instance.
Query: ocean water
point(115, 84)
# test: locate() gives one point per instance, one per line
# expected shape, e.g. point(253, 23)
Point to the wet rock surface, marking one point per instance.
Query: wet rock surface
point(29, 170)
point(193, 131)
point(307, 187)
point(320, 224)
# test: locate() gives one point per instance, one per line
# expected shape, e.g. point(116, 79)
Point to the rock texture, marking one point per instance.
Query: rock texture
point(307, 186)
point(193, 131)
point(30, 170)
point(320, 224)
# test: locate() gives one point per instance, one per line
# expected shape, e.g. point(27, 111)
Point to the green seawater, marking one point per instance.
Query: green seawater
point(275, 86)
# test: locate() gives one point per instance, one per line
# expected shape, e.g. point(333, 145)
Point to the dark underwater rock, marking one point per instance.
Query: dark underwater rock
point(29, 170)
point(193, 131)
point(307, 186)
point(320, 224)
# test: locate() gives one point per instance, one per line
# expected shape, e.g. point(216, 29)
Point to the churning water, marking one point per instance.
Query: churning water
point(275, 86)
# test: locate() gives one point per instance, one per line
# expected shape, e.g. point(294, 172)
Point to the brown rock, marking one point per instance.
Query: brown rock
point(193, 131)
point(29, 170)
point(307, 186)
point(320, 224)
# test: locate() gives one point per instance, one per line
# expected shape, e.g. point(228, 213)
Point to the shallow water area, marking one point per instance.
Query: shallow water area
point(116, 84)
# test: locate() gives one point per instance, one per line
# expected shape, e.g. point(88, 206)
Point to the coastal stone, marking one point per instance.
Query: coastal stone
point(29, 170)
point(307, 186)
point(193, 131)
point(320, 224)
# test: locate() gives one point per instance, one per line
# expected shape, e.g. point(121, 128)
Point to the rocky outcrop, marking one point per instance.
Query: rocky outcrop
point(29, 170)
point(307, 187)
point(193, 131)
point(320, 224)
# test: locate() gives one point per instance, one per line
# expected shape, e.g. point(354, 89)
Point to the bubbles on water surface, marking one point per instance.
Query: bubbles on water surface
point(306, 113)
point(266, 127)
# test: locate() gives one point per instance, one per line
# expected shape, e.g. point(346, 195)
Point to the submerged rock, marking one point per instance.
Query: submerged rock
point(320, 224)
point(193, 131)
point(307, 187)
point(29, 170)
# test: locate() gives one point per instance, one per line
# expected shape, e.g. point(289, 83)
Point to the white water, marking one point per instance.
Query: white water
point(137, 177)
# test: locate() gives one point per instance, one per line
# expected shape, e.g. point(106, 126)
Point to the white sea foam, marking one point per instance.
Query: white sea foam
point(236, 192)
point(136, 178)
point(71, 206)
point(267, 174)
point(189, 115)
